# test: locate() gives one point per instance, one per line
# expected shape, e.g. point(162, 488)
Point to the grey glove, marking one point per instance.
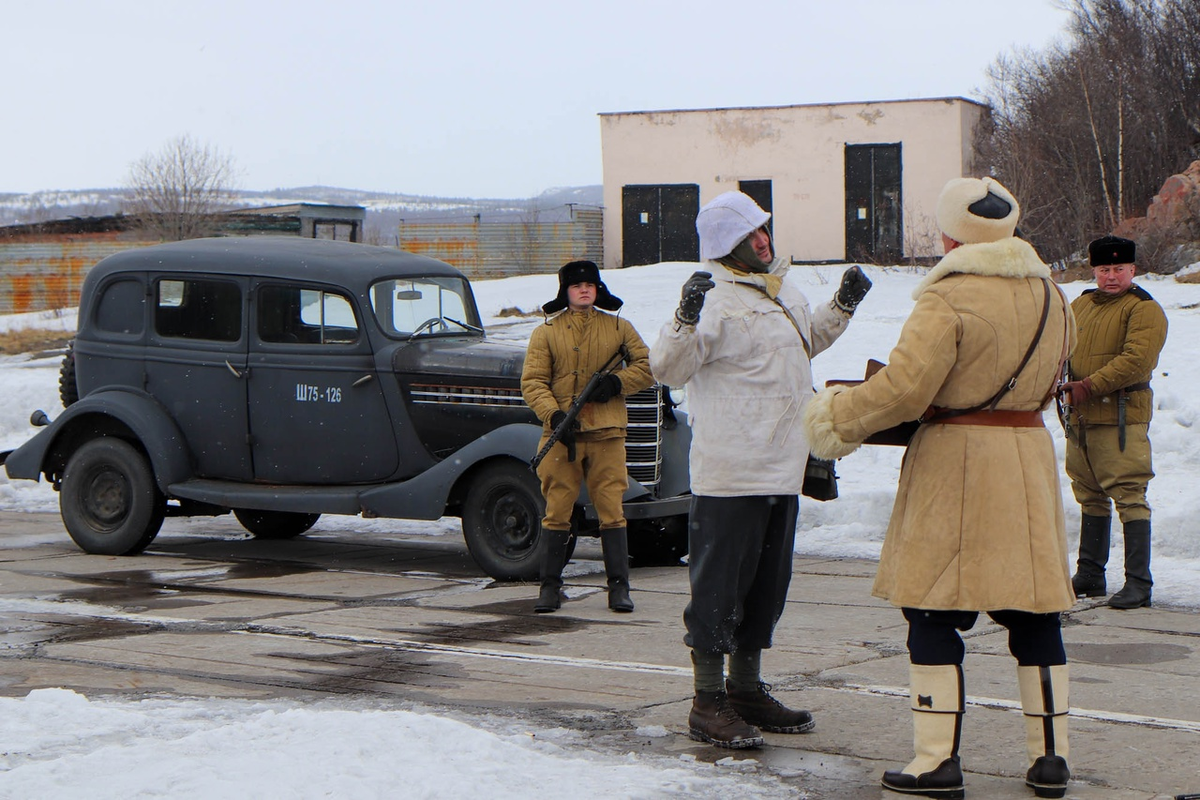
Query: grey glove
point(854, 288)
point(692, 297)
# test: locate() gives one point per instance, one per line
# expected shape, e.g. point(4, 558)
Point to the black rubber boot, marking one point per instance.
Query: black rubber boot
point(615, 542)
point(554, 558)
point(1093, 556)
point(1136, 592)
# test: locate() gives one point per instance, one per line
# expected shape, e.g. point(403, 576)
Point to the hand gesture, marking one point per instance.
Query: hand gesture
point(692, 297)
point(854, 288)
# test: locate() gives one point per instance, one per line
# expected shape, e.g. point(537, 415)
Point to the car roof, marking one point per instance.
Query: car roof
point(354, 266)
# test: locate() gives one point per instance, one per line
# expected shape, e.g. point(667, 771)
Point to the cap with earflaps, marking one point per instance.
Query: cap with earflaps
point(575, 272)
point(977, 210)
point(1111, 250)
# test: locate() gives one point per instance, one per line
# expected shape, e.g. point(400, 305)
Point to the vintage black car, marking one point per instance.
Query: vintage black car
point(283, 378)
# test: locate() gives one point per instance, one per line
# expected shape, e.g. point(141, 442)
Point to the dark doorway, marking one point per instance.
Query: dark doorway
point(658, 223)
point(760, 192)
point(873, 203)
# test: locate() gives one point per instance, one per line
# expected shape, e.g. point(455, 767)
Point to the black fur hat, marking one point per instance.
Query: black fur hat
point(1111, 250)
point(581, 272)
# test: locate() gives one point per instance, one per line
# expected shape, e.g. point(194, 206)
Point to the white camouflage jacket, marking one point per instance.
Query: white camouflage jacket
point(748, 379)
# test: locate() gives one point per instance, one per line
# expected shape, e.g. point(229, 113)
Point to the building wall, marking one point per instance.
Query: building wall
point(502, 249)
point(42, 275)
point(801, 149)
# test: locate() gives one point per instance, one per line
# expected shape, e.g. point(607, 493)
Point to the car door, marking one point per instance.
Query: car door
point(196, 367)
point(316, 406)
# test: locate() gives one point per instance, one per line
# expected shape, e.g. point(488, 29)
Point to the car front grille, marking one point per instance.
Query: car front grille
point(643, 438)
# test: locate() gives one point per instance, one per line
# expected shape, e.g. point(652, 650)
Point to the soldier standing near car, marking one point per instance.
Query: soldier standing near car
point(1121, 332)
point(978, 522)
point(578, 338)
point(745, 362)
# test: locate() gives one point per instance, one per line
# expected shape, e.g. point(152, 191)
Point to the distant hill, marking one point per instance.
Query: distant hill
point(384, 211)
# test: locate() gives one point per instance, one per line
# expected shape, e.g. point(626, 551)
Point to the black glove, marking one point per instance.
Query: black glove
point(854, 288)
point(568, 436)
point(608, 388)
point(692, 299)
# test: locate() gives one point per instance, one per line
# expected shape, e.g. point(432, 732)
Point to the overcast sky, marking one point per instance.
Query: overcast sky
point(473, 98)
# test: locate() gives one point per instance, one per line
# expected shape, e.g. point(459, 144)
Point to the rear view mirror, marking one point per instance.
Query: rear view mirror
point(409, 294)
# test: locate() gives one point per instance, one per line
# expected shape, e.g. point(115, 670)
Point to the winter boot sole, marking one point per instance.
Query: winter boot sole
point(741, 744)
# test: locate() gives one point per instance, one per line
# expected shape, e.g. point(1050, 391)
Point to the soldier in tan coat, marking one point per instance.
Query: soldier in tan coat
point(1121, 332)
point(576, 341)
point(978, 522)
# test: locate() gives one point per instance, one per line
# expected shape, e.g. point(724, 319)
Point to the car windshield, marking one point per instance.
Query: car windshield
point(407, 307)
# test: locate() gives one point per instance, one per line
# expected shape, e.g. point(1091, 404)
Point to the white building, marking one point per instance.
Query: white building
point(843, 181)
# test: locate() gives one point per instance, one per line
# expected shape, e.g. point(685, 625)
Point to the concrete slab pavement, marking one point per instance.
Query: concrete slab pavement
point(208, 612)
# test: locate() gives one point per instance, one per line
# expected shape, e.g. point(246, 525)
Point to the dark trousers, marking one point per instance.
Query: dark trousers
point(739, 566)
point(1035, 640)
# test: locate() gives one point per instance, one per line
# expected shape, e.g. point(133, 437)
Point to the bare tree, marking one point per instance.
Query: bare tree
point(1086, 131)
point(177, 192)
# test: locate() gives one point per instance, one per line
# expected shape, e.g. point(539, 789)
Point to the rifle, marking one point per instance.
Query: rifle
point(1063, 406)
point(573, 412)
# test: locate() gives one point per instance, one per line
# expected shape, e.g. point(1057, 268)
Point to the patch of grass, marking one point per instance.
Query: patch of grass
point(513, 311)
point(33, 340)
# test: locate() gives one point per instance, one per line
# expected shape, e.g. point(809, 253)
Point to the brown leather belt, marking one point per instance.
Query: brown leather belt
point(1003, 419)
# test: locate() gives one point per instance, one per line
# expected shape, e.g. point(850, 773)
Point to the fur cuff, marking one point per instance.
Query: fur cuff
point(823, 441)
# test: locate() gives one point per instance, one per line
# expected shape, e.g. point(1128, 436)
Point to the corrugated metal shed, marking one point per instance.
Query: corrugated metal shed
point(512, 247)
point(42, 265)
point(42, 275)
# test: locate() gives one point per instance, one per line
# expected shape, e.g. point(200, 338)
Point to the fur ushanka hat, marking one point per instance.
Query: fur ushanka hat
point(1111, 250)
point(582, 272)
point(977, 210)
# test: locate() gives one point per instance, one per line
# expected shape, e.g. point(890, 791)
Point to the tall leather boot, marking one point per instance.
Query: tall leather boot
point(1044, 696)
point(937, 702)
point(615, 542)
point(554, 558)
point(1093, 556)
point(1136, 592)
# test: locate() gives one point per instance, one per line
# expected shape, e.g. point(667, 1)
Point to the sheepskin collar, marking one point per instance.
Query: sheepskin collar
point(1007, 258)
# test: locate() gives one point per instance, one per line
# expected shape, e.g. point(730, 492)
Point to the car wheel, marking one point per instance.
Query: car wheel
point(658, 542)
point(109, 501)
point(275, 524)
point(502, 521)
point(68, 387)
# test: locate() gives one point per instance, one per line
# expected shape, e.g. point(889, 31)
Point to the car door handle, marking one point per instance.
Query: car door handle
point(234, 369)
point(365, 379)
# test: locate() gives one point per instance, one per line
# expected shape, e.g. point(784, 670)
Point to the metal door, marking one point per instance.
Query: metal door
point(659, 223)
point(873, 203)
point(760, 192)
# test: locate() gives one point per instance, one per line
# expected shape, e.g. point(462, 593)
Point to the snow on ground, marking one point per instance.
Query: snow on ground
point(57, 743)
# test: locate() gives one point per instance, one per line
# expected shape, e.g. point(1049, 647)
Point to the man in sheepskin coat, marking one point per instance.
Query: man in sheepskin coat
point(977, 524)
point(745, 362)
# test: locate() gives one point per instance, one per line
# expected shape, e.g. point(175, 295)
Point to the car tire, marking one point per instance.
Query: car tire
point(109, 501)
point(502, 521)
point(658, 542)
point(68, 387)
point(275, 524)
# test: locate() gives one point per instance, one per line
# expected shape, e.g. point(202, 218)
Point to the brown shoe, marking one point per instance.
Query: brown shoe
point(713, 720)
point(757, 707)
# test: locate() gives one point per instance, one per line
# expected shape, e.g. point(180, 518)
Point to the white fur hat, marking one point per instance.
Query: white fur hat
point(956, 219)
point(724, 221)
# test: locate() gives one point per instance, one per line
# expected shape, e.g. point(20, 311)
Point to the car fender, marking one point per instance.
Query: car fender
point(140, 413)
point(425, 496)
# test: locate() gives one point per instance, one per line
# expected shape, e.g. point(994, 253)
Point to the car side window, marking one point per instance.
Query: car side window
point(296, 315)
point(198, 308)
point(122, 307)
